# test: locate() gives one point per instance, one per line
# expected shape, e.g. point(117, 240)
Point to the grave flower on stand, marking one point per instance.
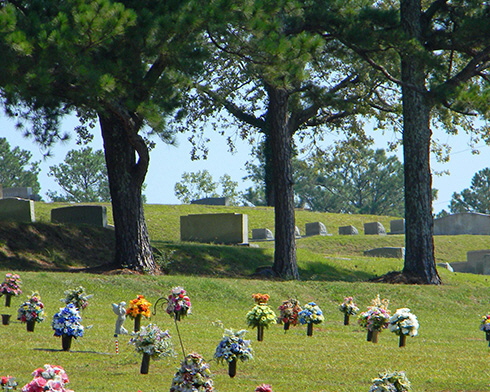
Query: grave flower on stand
point(390, 382)
point(8, 383)
point(178, 303)
point(403, 323)
point(50, 379)
point(349, 308)
point(67, 324)
point(289, 313)
point(10, 287)
point(31, 311)
point(264, 388)
point(485, 327)
point(192, 376)
point(78, 297)
point(232, 348)
point(311, 314)
point(375, 319)
point(261, 315)
point(137, 308)
point(152, 342)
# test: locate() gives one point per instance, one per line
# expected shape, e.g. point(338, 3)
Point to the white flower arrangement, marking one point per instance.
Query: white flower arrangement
point(194, 375)
point(232, 347)
point(390, 382)
point(403, 322)
point(153, 341)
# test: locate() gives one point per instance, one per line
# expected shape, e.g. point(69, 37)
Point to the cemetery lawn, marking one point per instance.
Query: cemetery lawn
point(450, 354)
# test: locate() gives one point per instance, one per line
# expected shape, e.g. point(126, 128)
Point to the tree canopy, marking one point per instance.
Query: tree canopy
point(476, 198)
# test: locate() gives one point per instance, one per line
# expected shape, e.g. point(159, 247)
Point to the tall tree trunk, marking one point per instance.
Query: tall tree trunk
point(126, 177)
point(285, 264)
point(268, 170)
point(419, 226)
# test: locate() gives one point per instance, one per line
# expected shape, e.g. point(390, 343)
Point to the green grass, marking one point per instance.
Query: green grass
point(450, 354)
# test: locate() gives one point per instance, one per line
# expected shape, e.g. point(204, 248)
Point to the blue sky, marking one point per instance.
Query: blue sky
point(168, 163)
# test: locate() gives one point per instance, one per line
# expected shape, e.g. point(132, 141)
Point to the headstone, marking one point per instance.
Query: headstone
point(17, 210)
point(476, 256)
point(80, 215)
point(463, 223)
point(374, 228)
point(262, 234)
point(397, 226)
point(388, 251)
point(315, 228)
point(226, 228)
point(21, 192)
point(213, 201)
point(348, 230)
point(297, 233)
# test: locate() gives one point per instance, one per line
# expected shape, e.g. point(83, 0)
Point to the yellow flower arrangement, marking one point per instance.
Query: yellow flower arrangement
point(137, 306)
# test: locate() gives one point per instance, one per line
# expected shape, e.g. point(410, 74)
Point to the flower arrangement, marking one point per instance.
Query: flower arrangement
point(377, 317)
point(139, 306)
point(261, 314)
point(78, 297)
point(485, 323)
point(8, 383)
point(192, 376)
point(31, 310)
point(404, 323)
point(289, 313)
point(390, 382)
point(311, 314)
point(178, 303)
point(10, 287)
point(261, 298)
point(264, 388)
point(68, 322)
point(233, 347)
point(349, 306)
point(153, 341)
point(50, 379)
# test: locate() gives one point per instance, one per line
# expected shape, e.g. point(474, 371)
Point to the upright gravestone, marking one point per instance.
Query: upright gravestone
point(463, 223)
point(80, 215)
point(17, 210)
point(262, 234)
point(219, 228)
point(397, 226)
point(213, 201)
point(374, 228)
point(21, 192)
point(348, 230)
point(315, 228)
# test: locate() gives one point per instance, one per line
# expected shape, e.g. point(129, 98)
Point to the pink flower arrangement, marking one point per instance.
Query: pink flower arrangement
point(11, 285)
point(263, 388)
point(50, 379)
point(178, 303)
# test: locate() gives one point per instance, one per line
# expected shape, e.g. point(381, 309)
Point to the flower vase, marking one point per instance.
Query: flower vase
point(8, 299)
point(375, 336)
point(145, 363)
point(232, 368)
point(369, 335)
point(30, 325)
point(487, 334)
point(137, 323)
point(346, 319)
point(403, 340)
point(309, 329)
point(260, 333)
point(5, 319)
point(286, 326)
point(66, 341)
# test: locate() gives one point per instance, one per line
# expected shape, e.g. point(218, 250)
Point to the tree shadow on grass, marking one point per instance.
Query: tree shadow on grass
point(54, 350)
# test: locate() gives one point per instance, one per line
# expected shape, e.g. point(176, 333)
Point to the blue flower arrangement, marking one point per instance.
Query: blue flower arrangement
point(68, 322)
point(233, 347)
point(311, 313)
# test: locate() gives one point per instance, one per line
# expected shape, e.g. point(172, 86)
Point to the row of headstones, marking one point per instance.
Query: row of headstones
point(22, 210)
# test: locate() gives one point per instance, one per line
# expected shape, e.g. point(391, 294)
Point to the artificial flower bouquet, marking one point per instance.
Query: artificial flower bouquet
point(264, 388)
point(50, 379)
point(261, 315)
point(153, 341)
point(31, 311)
point(311, 314)
point(349, 308)
point(289, 311)
point(404, 323)
point(232, 348)
point(78, 297)
point(10, 287)
point(192, 376)
point(390, 382)
point(68, 322)
point(139, 307)
point(178, 303)
point(485, 327)
point(8, 383)
point(376, 318)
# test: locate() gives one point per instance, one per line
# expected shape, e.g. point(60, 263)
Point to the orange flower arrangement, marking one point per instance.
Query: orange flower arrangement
point(261, 298)
point(137, 306)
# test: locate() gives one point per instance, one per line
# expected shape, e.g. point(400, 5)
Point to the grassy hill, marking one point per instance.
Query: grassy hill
point(449, 355)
